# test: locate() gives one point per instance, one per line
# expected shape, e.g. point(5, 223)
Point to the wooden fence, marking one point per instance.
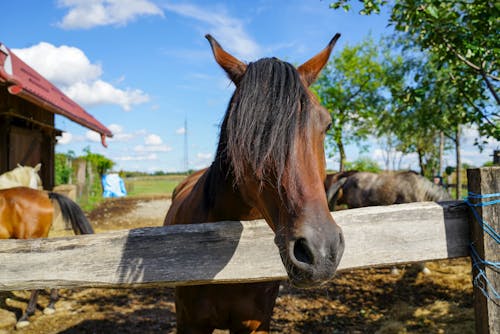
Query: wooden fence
point(229, 252)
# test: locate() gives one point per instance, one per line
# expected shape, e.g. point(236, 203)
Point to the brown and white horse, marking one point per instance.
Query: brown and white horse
point(27, 213)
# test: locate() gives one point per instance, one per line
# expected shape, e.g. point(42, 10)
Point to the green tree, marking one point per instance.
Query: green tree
point(63, 168)
point(349, 88)
point(461, 36)
point(93, 186)
point(420, 106)
point(98, 161)
point(363, 164)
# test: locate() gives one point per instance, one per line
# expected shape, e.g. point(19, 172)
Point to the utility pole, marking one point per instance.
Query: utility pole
point(186, 156)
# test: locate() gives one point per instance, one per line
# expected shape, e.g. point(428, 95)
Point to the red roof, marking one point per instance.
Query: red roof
point(28, 84)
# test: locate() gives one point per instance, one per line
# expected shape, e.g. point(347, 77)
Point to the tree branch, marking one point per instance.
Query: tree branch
point(360, 89)
point(471, 103)
point(479, 69)
point(469, 63)
point(490, 86)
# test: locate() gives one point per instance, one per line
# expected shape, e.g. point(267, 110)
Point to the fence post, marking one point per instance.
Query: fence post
point(485, 226)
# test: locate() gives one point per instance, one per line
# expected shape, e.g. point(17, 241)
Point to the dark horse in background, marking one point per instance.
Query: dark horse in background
point(27, 213)
point(270, 163)
point(359, 189)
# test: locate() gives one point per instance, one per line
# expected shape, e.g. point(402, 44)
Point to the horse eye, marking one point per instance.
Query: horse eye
point(328, 127)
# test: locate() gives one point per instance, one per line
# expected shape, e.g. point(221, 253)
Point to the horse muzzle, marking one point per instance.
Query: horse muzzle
point(312, 255)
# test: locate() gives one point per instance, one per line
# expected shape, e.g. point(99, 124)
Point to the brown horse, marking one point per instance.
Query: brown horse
point(359, 189)
point(270, 163)
point(27, 213)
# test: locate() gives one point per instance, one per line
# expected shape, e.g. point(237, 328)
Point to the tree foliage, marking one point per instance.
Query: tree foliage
point(422, 105)
point(63, 170)
point(363, 164)
point(98, 161)
point(349, 88)
point(91, 193)
point(460, 36)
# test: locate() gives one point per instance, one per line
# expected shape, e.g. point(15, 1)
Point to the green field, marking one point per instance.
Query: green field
point(152, 185)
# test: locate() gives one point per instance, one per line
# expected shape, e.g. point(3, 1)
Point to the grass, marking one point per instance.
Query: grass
point(161, 185)
point(152, 185)
point(89, 203)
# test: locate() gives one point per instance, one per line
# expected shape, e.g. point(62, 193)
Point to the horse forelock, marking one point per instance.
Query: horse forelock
point(262, 123)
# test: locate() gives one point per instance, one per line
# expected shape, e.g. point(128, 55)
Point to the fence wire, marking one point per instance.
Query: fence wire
point(481, 280)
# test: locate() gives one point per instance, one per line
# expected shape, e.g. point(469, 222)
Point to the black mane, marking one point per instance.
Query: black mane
point(261, 124)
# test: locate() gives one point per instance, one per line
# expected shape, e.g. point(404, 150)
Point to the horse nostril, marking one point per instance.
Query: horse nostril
point(302, 252)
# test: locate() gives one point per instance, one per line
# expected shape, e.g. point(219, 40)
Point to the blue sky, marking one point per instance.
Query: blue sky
point(142, 67)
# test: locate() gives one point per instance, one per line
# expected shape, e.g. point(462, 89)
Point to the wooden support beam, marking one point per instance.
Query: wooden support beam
point(483, 182)
point(227, 251)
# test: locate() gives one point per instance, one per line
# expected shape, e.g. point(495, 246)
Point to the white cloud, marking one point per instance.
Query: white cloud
point(202, 160)
point(63, 65)
point(470, 153)
point(151, 156)
point(396, 159)
point(115, 128)
point(180, 131)
point(100, 92)
point(204, 156)
point(86, 14)
point(93, 136)
point(119, 135)
point(153, 139)
point(470, 135)
point(70, 69)
point(228, 31)
point(152, 148)
point(65, 138)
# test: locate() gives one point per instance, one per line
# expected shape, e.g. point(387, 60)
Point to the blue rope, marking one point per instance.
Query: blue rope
point(484, 225)
point(479, 196)
point(485, 203)
point(481, 281)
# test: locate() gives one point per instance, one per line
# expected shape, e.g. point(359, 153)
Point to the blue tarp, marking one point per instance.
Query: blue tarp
point(113, 186)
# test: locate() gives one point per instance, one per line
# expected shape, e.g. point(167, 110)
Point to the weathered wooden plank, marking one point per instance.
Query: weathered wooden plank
point(227, 251)
point(484, 182)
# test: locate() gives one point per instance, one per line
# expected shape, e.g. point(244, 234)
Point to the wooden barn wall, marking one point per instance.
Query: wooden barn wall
point(27, 136)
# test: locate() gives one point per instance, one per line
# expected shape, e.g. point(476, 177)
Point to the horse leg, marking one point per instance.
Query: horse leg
point(184, 330)
point(242, 308)
point(185, 326)
point(54, 297)
point(30, 310)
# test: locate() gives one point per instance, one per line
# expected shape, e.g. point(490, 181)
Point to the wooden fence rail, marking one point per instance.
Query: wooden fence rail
point(228, 251)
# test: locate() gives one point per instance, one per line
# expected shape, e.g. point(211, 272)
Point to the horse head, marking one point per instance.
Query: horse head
point(333, 187)
point(272, 139)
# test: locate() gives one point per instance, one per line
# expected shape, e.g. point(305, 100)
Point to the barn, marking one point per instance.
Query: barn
point(28, 104)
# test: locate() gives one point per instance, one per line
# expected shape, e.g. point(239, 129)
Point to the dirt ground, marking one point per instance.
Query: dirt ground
point(357, 301)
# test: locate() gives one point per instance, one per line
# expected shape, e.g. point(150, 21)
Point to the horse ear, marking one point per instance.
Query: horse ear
point(37, 167)
point(310, 70)
point(233, 67)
